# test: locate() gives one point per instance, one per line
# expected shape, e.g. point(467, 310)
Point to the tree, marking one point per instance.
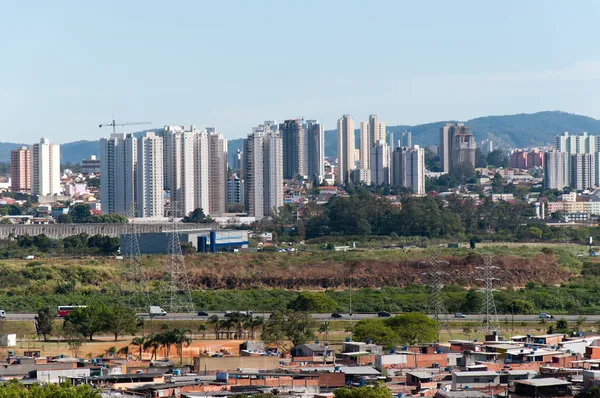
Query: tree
point(197, 216)
point(14, 389)
point(379, 391)
point(414, 328)
point(496, 158)
point(44, 322)
point(88, 321)
point(236, 208)
point(591, 392)
point(375, 330)
point(324, 328)
point(80, 213)
point(124, 351)
point(216, 322)
point(314, 302)
point(562, 325)
point(283, 326)
point(181, 339)
point(120, 320)
point(64, 219)
point(140, 343)
point(152, 343)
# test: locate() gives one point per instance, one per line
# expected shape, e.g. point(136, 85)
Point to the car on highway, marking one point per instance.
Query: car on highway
point(543, 315)
point(460, 315)
point(2, 314)
point(229, 314)
point(335, 315)
point(384, 314)
point(202, 313)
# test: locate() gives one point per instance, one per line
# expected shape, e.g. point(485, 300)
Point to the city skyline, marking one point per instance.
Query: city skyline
point(67, 67)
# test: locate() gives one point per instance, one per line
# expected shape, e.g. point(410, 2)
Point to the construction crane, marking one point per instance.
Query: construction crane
point(114, 125)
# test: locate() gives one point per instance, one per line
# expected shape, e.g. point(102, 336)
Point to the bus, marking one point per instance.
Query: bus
point(63, 310)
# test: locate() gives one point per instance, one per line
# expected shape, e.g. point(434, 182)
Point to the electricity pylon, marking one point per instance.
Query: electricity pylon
point(436, 305)
point(135, 284)
point(180, 297)
point(491, 323)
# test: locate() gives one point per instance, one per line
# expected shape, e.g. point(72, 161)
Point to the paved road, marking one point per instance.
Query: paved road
point(324, 317)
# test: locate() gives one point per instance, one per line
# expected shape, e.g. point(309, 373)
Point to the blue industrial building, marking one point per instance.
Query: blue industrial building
point(205, 241)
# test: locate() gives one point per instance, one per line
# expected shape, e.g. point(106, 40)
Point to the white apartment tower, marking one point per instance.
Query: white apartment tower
point(187, 168)
point(273, 179)
point(376, 130)
point(346, 148)
point(201, 171)
point(573, 144)
point(118, 159)
point(408, 168)
point(583, 172)
point(365, 145)
point(253, 168)
point(217, 172)
point(556, 170)
point(380, 163)
point(149, 177)
point(45, 168)
point(263, 170)
point(315, 150)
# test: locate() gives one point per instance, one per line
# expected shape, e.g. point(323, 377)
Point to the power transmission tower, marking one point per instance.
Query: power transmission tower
point(436, 305)
point(180, 297)
point(135, 290)
point(491, 323)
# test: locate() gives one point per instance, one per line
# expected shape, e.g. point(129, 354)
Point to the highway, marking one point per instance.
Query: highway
point(327, 317)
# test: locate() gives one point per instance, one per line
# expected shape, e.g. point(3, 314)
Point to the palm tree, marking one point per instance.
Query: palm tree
point(111, 351)
point(227, 324)
point(154, 343)
point(239, 321)
point(214, 319)
point(181, 339)
point(253, 324)
point(140, 343)
point(124, 351)
point(324, 328)
point(141, 322)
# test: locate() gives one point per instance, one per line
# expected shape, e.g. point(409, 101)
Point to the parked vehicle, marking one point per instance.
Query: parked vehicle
point(384, 314)
point(155, 310)
point(202, 313)
point(460, 315)
point(30, 257)
point(63, 310)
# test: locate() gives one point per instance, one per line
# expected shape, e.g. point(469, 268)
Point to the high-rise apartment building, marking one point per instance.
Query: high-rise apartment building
point(235, 190)
point(263, 170)
point(20, 169)
point(535, 159)
point(315, 150)
point(118, 161)
point(149, 194)
point(217, 171)
point(518, 159)
point(408, 168)
point(273, 180)
point(45, 168)
point(572, 144)
point(457, 145)
point(583, 173)
point(405, 139)
point(487, 146)
point(556, 170)
point(380, 163)
point(293, 136)
point(365, 146)
point(346, 148)
point(376, 130)
point(187, 168)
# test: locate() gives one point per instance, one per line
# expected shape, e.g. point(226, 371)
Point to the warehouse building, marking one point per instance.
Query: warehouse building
point(205, 241)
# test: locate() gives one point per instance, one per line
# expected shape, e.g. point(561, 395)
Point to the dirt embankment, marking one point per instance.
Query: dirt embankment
point(465, 270)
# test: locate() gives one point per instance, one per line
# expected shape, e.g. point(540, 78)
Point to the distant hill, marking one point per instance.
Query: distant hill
point(520, 130)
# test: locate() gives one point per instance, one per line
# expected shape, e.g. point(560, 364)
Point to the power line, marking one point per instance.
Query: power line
point(136, 284)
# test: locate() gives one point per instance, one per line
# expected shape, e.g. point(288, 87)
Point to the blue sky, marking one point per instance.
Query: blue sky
point(67, 66)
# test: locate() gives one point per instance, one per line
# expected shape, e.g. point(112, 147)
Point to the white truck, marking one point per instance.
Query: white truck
point(155, 310)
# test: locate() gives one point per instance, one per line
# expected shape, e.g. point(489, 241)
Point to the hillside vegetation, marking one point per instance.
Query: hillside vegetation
point(390, 280)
